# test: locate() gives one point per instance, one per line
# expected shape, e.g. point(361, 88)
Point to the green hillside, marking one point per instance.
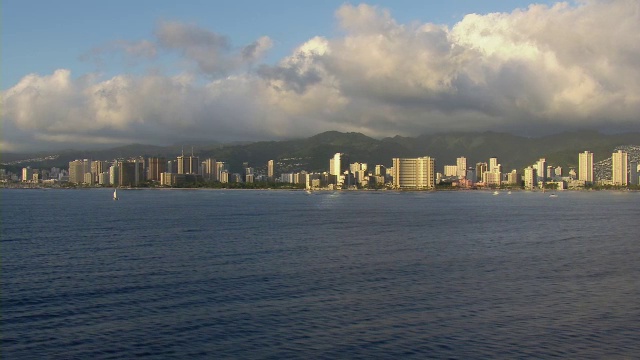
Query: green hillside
point(313, 153)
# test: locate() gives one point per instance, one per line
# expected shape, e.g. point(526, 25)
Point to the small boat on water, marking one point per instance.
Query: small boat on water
point(553, 196)
point(115, 194)
point(496, 193)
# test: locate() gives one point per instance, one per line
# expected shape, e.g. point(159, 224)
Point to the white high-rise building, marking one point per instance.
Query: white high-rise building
point(529, 178)
point(493, 164)
point(541, 169)
point(620, 168)
point(221, 166)
point(461, 163)
point(585, 167)
point(416, 173)
point(335, 165)
point(114, 174)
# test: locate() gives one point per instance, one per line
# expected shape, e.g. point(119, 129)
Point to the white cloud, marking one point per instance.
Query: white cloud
point(535, 70)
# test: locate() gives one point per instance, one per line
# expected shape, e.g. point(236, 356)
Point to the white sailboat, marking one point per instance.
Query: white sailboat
point(115, 194)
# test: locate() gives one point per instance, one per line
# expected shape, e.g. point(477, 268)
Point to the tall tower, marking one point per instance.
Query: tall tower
point(188, 164)
point(461, 162)
point(481, 168)
point(541, 169)
point(270, 166)
point(208, 169)
point(529, 178)
point(493, 164)
point(633, 173)
point(585, 167)
point(620, 168)
point(335, 165)
point(77, 169)
point(221, 167)
point(157, 166)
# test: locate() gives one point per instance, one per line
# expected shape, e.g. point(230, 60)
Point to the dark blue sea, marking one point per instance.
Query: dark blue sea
point(215, 274)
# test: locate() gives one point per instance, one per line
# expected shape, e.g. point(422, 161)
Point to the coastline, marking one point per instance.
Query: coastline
point(500, 191)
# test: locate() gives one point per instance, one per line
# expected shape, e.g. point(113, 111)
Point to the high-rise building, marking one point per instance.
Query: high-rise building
point(157, 166)
point(335, 164)
point(188, 164)
point(130, 173)
point(114, 174)
point(77, 169)
point(221, 167)
point(492, 178)
point(98, 167)
point(620, 168)
point(633, 173)
point(461, 163)
point(530, 178)
point(550, 172)
point(27, 174)
point(541, 169)
point(270, 170)
point(585, 167)
point(338, 164)
point(209, 169)
point(451, 170)
point(493, 164)
point(353, 168)
point(481, 168)
point(513, 177)
point(416, 173)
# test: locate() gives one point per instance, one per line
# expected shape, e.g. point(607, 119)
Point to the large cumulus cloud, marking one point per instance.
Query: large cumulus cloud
point(536, 70)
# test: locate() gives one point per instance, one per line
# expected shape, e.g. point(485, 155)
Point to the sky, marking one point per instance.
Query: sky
point(79, 74)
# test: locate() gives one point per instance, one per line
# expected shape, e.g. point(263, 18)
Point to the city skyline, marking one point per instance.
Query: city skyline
point(253, 71)
point(404, 174)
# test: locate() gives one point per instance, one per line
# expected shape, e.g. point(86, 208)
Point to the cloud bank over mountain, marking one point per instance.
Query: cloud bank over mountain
point(532, 71)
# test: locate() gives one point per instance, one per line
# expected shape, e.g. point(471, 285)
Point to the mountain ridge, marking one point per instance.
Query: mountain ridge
point(313, 153)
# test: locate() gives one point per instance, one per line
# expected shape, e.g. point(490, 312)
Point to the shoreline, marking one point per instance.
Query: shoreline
point(500, 191)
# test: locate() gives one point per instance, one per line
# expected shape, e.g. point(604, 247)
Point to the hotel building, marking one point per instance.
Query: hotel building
point(585, 167)
point(461, 163)
point(188, 164)
point(530, 178)
point(270, 168)
point(157, 166)
point(416, 173)
point(77, 169)
point(620, 168)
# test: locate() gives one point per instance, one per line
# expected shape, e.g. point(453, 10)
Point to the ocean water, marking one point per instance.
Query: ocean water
point(283, 274)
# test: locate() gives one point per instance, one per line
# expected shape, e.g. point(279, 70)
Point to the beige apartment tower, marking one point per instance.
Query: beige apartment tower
point(585, 167)
point(416, 173)
point(620, 168)
point(461, 164)
point(270, 167)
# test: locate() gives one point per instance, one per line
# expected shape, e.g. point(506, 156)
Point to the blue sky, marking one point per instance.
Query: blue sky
point(86, 73)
